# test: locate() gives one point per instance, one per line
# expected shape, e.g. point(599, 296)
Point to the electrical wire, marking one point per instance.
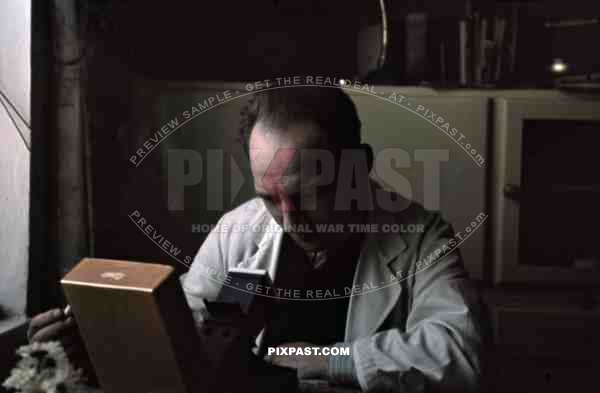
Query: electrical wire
point(384, 34)
point(6, 102)
point(14, 108)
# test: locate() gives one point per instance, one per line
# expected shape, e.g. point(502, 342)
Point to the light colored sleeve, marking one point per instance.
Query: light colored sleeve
point(442, 338)
point(206, 275)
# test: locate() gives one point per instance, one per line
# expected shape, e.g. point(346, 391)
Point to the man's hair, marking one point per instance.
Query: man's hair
point(329, 108)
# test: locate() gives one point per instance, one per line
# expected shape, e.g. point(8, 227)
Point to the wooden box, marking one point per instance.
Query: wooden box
point(136, 326)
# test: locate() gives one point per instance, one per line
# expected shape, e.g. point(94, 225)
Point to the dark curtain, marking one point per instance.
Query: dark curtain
point(61, 214)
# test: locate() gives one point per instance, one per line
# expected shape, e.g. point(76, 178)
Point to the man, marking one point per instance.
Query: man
point(398, 300)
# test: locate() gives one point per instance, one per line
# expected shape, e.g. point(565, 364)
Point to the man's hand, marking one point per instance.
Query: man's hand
point(311, 366)
point(51, 325)
point(54, 325)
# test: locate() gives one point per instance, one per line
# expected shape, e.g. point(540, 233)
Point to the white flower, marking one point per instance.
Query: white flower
point(19, 378)
point(44, 368)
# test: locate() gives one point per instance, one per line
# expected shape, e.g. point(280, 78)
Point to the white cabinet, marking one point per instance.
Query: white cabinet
point(443, 171)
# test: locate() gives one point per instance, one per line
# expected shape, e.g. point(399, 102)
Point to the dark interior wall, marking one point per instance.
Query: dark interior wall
point(232, 40)
point(246, 41)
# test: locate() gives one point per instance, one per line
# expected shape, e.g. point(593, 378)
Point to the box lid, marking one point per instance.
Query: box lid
point(117, 274)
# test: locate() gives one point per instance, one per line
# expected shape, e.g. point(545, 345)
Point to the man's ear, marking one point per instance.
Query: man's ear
point(369, 154)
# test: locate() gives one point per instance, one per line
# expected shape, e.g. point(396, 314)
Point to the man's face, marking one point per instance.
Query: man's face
point(291, 193)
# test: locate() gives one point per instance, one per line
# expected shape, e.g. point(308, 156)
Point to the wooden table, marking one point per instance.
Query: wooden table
point(312, 386)
point(319, 386)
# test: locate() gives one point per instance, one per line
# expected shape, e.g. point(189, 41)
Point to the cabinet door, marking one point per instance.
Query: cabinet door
point(545, 190)
point(438, 145)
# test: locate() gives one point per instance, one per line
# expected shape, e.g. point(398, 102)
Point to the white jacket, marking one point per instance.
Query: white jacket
point(429, 318)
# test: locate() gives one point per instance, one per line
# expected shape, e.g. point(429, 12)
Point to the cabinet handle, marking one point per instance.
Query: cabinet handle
point(512, 192)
